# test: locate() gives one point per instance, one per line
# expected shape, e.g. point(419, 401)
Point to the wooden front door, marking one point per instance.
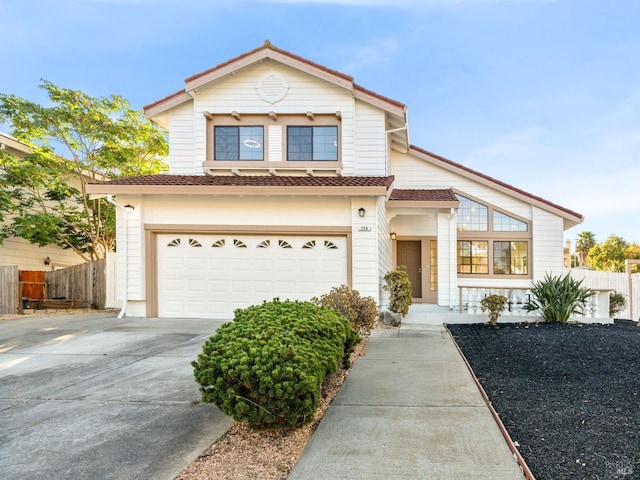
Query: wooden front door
point(409, 254)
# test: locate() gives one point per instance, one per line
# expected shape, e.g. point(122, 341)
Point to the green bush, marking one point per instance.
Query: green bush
point(360, 311)
point(399, 287)
point(617, 303)
point(495, 304)
point(558, 298)
point(266, 367)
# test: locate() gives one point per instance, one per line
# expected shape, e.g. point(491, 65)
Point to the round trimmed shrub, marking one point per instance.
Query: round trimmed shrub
point(266, 367)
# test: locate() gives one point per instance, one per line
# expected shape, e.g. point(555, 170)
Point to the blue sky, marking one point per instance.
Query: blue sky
point(541, 94)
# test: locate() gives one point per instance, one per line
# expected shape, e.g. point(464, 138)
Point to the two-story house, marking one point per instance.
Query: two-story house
point(287, 178)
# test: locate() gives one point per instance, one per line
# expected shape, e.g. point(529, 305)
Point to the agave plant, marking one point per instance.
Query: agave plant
point(558, 298)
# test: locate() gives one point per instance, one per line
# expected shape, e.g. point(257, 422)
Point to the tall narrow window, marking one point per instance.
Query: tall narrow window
point(239, 143)
point(312, 143)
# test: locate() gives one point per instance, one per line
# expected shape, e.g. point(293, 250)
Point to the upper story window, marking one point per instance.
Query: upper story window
point(312, 143)
point(239, 143)
point(273, 141)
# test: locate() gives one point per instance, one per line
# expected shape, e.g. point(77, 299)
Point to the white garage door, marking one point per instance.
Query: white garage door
point(209, 276)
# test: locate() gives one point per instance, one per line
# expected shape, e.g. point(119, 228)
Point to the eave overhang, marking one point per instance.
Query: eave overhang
point(396, 111)
point(244, 185)
point(570, 218)
point(96, 190)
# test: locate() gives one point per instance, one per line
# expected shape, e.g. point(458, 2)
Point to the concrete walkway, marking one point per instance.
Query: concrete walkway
point(408, 410)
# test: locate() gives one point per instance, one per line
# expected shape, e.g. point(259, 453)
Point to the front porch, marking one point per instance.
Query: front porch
point(468, 309)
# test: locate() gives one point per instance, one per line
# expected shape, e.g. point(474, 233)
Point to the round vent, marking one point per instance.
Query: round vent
point(272, 86)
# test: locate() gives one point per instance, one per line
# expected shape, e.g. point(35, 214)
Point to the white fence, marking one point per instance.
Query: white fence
point(603, 283)
point(619, 282)
point(111, 273)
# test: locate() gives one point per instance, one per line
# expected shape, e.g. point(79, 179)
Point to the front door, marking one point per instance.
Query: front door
point(409, 254)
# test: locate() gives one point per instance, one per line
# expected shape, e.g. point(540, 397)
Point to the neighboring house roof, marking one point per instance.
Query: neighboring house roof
point(570, 217)
point(231, 184)
point(13, 146)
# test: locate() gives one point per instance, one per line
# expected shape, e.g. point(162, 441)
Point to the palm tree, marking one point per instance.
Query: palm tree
point(585, 242)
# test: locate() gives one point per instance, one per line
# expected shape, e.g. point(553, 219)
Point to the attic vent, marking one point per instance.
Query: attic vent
point(272, 86)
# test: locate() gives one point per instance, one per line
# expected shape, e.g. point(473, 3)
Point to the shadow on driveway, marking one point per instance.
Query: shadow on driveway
point(89, 396)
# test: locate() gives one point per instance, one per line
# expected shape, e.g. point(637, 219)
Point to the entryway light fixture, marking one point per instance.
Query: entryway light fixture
point(393, 235)
point(47, 261)
point(361, 211)
point(129, 208)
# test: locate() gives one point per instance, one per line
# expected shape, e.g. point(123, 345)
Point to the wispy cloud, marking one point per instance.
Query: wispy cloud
point(357, 57)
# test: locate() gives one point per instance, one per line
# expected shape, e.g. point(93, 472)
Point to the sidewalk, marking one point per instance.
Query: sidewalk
point(409, 409)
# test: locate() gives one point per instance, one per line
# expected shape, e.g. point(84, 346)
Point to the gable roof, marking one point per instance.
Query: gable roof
point(233, 185)
point(268, 50)
point(570, 217)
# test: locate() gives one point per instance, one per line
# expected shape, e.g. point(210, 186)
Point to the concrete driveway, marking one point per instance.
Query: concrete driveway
point(88, 396)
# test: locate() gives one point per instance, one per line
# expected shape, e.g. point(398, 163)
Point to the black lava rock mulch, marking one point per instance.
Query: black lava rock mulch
point(568, 394)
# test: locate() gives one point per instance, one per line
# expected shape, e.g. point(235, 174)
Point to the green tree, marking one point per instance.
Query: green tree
point(611, 254)
point(585, 242)
point(76, 140)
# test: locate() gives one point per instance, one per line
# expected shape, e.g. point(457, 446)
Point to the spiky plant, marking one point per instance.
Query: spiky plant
point(557, 298)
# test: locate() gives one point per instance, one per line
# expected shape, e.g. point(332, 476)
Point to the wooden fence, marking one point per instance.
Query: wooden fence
point(9, 289)
point(85, 282)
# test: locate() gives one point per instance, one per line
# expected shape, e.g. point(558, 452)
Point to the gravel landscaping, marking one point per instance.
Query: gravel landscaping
point(568, 394)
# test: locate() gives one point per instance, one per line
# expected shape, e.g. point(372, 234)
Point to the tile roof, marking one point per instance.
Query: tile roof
point(252, 181)
point(268, 45)
point(415, 195)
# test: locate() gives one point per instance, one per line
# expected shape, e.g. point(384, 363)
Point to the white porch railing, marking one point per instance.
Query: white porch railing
point(470, 297)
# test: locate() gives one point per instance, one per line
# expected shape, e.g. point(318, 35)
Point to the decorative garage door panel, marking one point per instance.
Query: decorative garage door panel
point(209, 276)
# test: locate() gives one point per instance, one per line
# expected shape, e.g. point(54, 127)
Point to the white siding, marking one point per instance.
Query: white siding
point(306, 93)
point(412, 172)
point(370, 140)
point(548, 253)
point(385, 261)
point(365, 247)
point(447, 266)
point(181, 147)
point(275, 143)
point(130, 235)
